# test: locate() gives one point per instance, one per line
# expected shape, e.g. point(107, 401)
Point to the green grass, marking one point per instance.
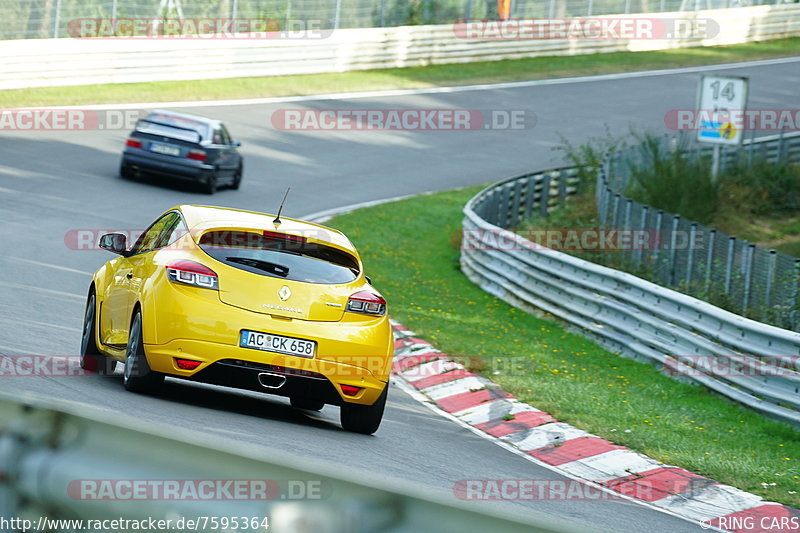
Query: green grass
point(410, 249)
point(400, 78)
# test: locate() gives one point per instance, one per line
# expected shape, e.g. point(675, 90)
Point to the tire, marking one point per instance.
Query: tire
point(210, 184)
point(92, 360)
point(237, 179)
point(364, 419)
point(306, 403)
point(125, 171)
point(138, 377)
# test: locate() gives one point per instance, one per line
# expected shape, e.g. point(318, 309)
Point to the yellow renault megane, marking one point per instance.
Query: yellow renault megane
point(245, 300)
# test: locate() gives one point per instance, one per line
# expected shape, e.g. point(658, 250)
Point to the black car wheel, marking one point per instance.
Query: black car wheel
point(210, 184)
point(91, 358)
point(364, 418)
point(138, 377)
point(237, 179)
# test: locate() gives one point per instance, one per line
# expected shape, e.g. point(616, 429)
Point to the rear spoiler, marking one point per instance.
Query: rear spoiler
point(195, 137)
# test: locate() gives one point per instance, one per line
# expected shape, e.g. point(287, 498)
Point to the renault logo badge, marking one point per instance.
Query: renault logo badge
point(284, 293)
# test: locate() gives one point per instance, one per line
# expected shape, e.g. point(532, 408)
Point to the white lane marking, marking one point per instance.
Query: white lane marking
point(320, 217)
point(42, 289)
point(493, 411)
point(544, 435)
point(452, 388)
point(710, 502)
point(420, 397)
point(427, 370)
point(47, 265)
point(610, 465)
point(437, 90)
point(36, 323)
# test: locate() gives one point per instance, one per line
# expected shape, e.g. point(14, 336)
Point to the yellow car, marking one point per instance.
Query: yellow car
point(245, 300)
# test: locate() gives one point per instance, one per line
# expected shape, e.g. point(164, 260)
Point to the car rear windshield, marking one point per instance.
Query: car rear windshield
point(174, 127)
point(280, 256)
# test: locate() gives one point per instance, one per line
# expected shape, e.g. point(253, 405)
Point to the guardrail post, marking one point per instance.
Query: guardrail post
point(544, 196)
point(562, 187)
point(712, 237)
point(468, 17)
point(773, 259)
point(795, 323)
point(676, 219)
point(637, 256)
point(551, 10)
point(750, 251)
point(514, 215)
point(729, 264)
point(530, 195)
point(56, 18)
point(690, 253)
point(657, 250)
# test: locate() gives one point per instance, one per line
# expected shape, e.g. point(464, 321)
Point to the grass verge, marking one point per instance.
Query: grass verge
point(408, 248)
point(399, 78)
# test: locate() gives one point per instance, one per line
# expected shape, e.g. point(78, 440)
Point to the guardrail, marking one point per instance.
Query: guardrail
point(48, 451)
point(61, 62)
point(687, 336)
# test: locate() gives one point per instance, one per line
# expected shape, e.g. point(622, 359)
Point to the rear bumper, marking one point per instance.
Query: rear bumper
point(271, 373)
point(165, 166)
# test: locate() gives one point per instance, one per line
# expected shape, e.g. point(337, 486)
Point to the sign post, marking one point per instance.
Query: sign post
point(721, 104)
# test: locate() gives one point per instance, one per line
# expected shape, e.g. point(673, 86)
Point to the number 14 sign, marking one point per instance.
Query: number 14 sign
point(721, 109)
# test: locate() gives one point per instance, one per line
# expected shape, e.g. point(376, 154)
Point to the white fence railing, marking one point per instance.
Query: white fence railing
point(67, 61)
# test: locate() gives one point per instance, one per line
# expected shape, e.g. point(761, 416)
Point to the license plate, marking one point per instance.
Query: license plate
point(277, 343)
point(164, 149)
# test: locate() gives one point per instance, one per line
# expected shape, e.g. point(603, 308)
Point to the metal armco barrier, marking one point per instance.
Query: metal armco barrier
point(45, 449)
point(686, 336)
point(67, 61)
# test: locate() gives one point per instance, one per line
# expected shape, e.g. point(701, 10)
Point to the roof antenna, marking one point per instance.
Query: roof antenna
point(280, 209)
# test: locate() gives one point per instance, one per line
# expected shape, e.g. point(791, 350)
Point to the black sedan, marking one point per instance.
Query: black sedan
point(189, 147)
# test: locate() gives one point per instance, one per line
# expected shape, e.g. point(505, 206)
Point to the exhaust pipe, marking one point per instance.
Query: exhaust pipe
point(269, 380)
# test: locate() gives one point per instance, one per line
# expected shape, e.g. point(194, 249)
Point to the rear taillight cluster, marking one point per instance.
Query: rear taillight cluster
point(197, 155)
point(191, 273)
point(367, 303)
point(133, 143)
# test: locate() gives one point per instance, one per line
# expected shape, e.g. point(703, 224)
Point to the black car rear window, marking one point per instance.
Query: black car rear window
point(281, 256)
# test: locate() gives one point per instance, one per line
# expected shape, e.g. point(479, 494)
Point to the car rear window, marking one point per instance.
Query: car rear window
point(281, 256)
point(164, 130)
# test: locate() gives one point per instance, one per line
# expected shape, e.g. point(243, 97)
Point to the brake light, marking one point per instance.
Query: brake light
point(197, 155)
point(187, 364)
point(350, 390)
point(191, 273)
point(284, 236)
point(133, 143)
point(367, 303)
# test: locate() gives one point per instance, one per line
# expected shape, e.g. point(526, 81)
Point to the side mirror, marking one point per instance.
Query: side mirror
point(237, 144)
point(114, 242)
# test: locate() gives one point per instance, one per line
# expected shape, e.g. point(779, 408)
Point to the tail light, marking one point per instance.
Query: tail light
point(197, 155)
point(191, 273)
point(133, 143)
point(187, 364)
point(350, 390)
point(367, 303)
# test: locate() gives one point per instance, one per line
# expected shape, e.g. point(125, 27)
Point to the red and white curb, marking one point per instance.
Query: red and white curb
point(481, 405)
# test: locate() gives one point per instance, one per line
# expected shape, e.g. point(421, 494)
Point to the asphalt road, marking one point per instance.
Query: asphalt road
point(54, 182)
